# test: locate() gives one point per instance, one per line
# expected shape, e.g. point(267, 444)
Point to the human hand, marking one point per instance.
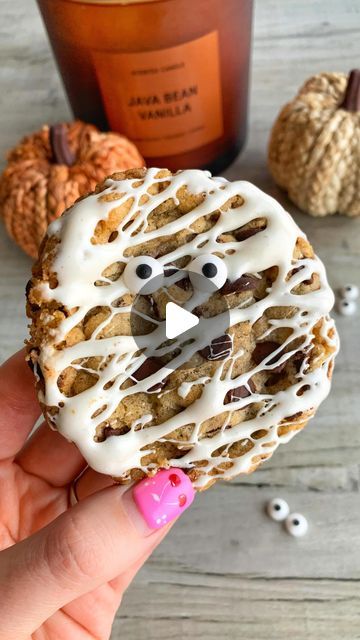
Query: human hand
point(63, 568)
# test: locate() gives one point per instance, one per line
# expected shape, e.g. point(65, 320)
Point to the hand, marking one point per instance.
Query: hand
point(64, 569)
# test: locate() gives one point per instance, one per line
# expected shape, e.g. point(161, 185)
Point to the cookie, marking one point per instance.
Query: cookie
point(217, 401)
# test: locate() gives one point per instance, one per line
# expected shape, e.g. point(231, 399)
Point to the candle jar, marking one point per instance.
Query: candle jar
point(172, 75)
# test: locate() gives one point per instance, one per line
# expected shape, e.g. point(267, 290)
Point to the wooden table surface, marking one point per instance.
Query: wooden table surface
point(226, 571)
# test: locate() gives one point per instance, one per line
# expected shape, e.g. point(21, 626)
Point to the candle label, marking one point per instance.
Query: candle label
point(167, 101)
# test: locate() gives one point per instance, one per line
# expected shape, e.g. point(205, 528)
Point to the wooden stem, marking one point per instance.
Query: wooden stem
point(351, 101)
point(60, 149)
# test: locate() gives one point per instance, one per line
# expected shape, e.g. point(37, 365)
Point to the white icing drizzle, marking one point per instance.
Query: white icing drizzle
point(79, 263)
point(185, 387)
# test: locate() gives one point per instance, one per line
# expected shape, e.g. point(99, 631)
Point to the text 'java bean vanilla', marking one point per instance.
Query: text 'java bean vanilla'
point(172, 75)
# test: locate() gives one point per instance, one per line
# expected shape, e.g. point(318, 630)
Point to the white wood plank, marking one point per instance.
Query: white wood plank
point(234, 608)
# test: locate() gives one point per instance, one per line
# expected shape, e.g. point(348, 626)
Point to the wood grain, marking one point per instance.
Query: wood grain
point(226, 571)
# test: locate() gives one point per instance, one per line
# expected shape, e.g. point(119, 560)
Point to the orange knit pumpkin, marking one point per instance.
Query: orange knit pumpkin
point(48, 170)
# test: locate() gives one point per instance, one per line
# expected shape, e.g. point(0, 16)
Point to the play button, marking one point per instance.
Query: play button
point(178, 320)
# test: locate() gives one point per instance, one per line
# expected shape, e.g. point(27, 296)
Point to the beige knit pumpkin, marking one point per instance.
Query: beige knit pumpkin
point(48, 170)
point(314, 149)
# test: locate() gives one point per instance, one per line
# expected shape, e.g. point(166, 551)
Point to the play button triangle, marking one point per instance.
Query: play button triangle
point(178, 320)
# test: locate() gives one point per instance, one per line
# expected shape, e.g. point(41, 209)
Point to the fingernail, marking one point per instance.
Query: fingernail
point(163, 497)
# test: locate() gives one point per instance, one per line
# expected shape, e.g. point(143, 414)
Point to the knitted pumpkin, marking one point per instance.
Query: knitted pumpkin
point(50, 169)
point(314, 150)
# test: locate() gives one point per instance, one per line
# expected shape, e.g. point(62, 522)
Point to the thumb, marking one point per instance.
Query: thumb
point(88, 545)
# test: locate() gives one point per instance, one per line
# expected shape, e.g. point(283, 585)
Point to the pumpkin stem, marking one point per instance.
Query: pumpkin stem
point(351, 101)
point(60, 149)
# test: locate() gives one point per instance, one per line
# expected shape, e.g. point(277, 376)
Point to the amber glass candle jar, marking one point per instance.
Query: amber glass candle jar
point(172, 75)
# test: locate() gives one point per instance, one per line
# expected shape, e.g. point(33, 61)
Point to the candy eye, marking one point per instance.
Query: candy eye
point(349, 292)
point(278, 509)
point(347, 307)
point(143, 274)
point(208, 272)
point(296, 524)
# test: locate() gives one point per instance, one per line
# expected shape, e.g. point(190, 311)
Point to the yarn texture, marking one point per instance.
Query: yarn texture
point(314, 148)
point(48, 170)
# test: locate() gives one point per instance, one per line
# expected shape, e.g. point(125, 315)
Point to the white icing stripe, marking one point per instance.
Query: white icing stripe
point(79, 263)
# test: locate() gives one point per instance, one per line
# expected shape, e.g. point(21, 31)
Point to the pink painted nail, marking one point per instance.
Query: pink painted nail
point(163, 497)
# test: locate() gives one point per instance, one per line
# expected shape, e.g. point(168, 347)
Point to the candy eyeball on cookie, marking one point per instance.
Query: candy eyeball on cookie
point(349, 292)
point(143, 274)
point(277, 509)
point(296, 525)
point(346, 307)
point(207, 272)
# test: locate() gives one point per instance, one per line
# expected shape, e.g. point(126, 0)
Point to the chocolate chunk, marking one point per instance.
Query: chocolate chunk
point(303, 389)
point(239, 392)
point(184, 283)
point(295, 270)
point(153, 306)
point(170, 271)
point(278, 372)
point(274, 379)
point(298, 360)
point(219, 349)
point(146, 369)
point(111, 431)
point(244, 234)
point(244, 283)
point(157, 387)
point(263, 350)
point(293, 417)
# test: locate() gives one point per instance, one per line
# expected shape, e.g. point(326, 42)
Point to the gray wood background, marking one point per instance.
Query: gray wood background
point(226, 571)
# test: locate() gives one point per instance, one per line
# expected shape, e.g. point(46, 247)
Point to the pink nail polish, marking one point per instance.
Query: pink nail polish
point(163, 497)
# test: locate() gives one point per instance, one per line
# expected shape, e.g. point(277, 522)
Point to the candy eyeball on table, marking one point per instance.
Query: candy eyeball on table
point(278, 509)
point(347, 307)
point(296, 525)
point(349, 292)
point(237, 368)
